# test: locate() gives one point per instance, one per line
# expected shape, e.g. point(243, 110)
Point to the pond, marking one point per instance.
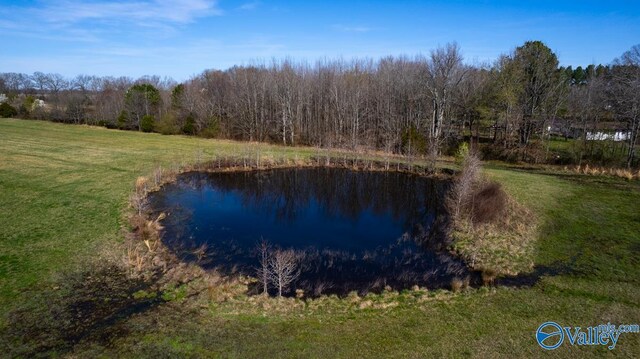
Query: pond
point(353, 230)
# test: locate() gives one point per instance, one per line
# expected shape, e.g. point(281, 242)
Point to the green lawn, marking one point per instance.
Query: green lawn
point(602, 153)
point(63, 190)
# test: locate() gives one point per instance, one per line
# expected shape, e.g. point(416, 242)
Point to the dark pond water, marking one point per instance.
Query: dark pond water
point(355, 230)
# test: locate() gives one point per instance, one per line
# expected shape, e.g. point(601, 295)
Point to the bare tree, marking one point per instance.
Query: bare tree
point(444, 76)
point(626, 96)
point(397, 104)
point(585, 105)
point(460, 194)
point(56, 83)
point(472, 95)
point(283, 268)
point(264, 271)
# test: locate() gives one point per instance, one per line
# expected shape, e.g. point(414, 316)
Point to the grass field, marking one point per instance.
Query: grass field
point(63, 191)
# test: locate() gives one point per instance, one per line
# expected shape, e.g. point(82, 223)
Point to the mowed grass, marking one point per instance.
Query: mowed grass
point(63, 190)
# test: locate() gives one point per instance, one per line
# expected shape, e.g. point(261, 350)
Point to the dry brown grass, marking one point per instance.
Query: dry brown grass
point(504, 246)
point(138, 201)
point(145, 255)
point(488, 276)
point(625, 173)
point(490, 230)
point(459, 284)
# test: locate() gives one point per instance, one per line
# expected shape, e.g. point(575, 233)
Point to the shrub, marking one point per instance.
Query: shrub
point(106, 123)
point(23, 111)
point(189, 127)
point(462, 153)
point(147, 123)
point(7, 110)
point(488, 203)
point(29, 103)
point(168, 125)
point(210, 131)
point(122, 119)
point(471, 198)
point(413, 142)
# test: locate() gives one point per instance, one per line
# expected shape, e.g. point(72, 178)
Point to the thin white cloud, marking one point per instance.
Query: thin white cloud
point(249, 6)
point(9, 25)
point(102, 21)
point(156, 11)
point(358, 29)
point(34, 29)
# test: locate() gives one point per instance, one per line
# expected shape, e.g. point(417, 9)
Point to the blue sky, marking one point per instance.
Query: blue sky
point(182, 38)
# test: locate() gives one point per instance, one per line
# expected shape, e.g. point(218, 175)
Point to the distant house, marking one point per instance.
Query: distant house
point(559, 127)
point(3, 98)
point(614, 135)
point(599, 131)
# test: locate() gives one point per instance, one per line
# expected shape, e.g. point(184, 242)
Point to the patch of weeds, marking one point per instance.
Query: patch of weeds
point(143, 294)
point(175, 293)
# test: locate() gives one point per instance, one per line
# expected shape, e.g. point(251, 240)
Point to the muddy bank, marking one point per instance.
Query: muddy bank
point(89, 306)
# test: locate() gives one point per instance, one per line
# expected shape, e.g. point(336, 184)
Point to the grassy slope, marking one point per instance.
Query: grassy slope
point(62, 189)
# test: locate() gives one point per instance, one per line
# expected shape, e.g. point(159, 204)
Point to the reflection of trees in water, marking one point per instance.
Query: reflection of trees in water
point(286, 193)
point(329, 271)
point(338, 192)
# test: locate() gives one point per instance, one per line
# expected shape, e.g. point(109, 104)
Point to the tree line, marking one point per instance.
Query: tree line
point(424, 105)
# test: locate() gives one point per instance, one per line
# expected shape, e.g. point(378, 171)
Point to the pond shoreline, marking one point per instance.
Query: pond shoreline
point(147, 227)
point(350, 230)
point(154, 257)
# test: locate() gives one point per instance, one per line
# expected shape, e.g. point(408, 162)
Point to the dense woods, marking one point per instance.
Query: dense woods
point(518, 108)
